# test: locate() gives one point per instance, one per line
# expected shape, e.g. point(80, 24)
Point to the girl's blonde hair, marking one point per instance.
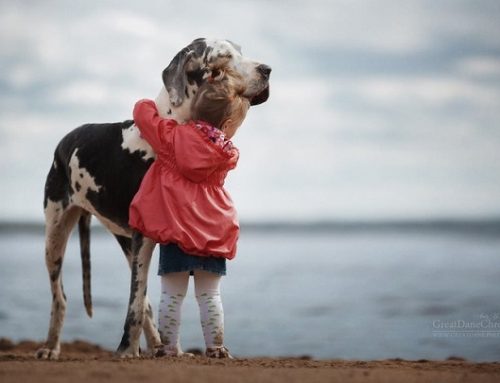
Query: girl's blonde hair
point(218, 100)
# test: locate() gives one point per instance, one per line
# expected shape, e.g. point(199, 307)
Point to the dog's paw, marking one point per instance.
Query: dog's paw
point(48, 353)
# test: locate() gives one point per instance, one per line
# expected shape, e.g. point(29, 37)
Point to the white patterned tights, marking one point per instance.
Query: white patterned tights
point(207, 290)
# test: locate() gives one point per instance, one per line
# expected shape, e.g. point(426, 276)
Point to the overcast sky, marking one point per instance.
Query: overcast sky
point(378, 109)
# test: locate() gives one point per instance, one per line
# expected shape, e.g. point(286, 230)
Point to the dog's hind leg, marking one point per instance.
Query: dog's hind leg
point(150, 330)
point(59, 221)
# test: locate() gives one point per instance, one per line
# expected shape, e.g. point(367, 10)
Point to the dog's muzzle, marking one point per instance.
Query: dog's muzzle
point(261, 97)
point(265, 71)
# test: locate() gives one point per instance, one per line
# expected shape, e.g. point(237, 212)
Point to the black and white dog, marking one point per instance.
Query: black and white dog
point(97, 170)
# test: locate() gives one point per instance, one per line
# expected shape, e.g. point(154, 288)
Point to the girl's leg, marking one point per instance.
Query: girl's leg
point(173, 290)
point(207, 291)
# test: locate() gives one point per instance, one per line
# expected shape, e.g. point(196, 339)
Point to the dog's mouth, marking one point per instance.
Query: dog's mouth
point(261, 97)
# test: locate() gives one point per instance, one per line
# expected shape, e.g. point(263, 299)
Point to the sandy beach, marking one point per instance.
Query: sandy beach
point(84, 362)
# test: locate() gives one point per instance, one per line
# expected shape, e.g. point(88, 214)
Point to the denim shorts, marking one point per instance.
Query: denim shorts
point(173, 260)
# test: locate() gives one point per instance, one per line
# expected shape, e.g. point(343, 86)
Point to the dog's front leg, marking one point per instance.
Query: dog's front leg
point(142, 249)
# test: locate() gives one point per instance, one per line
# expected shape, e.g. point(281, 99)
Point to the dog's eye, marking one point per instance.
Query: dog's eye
point(215, 73)
point(225, 56)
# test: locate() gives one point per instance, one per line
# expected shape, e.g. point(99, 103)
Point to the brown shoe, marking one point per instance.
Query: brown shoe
point(220, 352)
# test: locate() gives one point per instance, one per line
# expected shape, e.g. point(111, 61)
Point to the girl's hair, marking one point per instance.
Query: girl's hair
point(218, 100)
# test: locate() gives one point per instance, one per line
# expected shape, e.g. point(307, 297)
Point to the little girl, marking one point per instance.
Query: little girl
point(183, 205)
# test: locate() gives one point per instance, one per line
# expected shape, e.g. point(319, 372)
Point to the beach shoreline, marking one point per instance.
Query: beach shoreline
point(81, 361)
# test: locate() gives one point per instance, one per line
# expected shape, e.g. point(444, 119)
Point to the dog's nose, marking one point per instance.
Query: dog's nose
point(264, 70)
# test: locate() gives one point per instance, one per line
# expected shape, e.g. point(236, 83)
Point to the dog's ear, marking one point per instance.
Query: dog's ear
point(174, 76)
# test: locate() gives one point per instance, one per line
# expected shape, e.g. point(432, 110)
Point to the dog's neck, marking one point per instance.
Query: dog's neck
point(165, 109)
point(163, 104)
point(132, 140)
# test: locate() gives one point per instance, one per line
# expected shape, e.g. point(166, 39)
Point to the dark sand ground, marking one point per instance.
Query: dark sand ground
point(84, 362)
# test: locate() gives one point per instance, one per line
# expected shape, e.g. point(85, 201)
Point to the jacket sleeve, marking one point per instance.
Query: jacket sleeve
point(153, 128)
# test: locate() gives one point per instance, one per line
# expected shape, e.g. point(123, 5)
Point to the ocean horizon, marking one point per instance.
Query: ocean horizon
point(486, 226)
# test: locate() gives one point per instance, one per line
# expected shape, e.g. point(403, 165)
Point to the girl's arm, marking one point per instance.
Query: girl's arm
point(151, 125)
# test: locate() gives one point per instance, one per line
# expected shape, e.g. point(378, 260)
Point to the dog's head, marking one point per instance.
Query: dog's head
point(210, 60)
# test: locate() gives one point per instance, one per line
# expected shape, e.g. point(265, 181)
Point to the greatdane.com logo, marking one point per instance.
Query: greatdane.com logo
point(487, 325)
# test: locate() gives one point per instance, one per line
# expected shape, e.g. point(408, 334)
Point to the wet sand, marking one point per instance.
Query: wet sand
point(84, 362)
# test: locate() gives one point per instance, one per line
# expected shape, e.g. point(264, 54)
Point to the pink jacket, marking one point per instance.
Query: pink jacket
point(181, 198)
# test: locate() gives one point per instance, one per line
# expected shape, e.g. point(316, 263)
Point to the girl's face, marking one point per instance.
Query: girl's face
point(230, 126)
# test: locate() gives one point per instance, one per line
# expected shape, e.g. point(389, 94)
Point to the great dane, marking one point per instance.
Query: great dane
point(97, 170)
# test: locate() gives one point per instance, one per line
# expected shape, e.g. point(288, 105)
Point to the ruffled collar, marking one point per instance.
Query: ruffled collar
point(215, 135)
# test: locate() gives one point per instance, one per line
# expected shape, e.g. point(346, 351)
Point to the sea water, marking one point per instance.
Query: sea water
point(351, 294)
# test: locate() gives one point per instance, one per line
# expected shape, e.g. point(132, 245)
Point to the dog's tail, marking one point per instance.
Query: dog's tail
point(84, 231)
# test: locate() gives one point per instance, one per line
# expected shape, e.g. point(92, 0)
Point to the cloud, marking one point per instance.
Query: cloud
point(387, 26)
point(83, 93)
point(433, 92)
point(480, 66)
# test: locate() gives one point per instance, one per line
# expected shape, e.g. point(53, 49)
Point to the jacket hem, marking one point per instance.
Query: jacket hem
point(191, 269)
